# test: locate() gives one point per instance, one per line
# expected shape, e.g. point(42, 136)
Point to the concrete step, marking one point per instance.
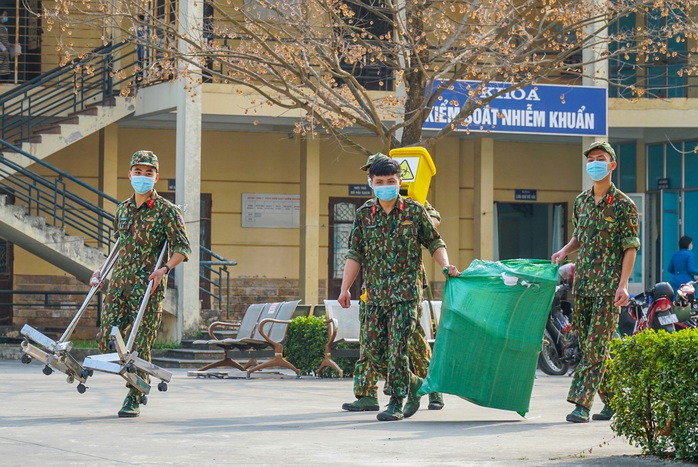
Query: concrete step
point(195, 354)
point(165, 362)
point(189, 344)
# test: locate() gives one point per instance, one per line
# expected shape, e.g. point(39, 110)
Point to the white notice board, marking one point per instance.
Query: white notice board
point(271, 211)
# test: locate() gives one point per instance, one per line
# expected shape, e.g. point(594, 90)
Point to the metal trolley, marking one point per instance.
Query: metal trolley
point(125, 361)
point(56, 354)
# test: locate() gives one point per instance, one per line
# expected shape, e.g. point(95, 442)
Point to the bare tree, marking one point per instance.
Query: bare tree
point(382, 65)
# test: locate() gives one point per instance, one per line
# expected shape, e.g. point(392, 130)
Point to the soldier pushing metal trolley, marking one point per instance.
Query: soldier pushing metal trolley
point(56, 354)
point(125, 360)
point(152, 241)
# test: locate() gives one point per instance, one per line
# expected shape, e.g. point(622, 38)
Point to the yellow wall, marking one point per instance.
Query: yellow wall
point(237, 163)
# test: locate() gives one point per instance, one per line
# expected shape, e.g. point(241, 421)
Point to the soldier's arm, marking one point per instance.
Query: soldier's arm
point(351, 272)
point(630, 244)
point(434, 215)
point(622, 295)
point(177, 235)
point(441, 257)
point(355, 257)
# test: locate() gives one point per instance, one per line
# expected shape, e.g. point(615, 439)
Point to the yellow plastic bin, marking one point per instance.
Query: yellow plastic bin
point(417, 168)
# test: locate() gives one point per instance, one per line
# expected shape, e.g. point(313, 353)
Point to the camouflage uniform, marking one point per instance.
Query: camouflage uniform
point(141, 233)
point(365, 377)
point(388, 248)
point(604, 231)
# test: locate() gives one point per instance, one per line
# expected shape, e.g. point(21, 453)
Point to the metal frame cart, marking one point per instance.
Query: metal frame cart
point(125, 361)
point(56, 354)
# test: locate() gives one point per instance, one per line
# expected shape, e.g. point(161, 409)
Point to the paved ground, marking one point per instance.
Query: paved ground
point(276, 419)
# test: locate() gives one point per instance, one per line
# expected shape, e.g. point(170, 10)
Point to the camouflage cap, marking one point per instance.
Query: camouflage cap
point(601, 145)
point(145, 158)
point(370, 160)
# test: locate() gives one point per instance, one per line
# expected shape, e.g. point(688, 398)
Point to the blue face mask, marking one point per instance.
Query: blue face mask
point(5, 19)
point(597, 170)
point(386, 192)
point(142, 184)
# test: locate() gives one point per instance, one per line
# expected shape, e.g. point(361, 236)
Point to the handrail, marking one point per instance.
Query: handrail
point(46, 302)
point(57, 199)
point(219, 269)
point(65, 90)
point(63, 207)
point(45, 100)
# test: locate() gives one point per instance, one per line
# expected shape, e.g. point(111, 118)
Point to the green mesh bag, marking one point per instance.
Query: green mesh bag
point(491, 332)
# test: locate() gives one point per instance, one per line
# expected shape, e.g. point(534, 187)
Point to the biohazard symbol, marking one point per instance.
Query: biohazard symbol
point(405, 171)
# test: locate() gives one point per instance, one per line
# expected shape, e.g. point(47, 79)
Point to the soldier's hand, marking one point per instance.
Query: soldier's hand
point(94, 280)
point(557, 257)
point(157, 276)
point(451, 270)
point(344, 299)
point(622, 297)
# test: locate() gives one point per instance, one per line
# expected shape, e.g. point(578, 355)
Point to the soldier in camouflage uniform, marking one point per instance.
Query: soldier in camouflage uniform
point(365, 382)
point(142, 224)
point(386, 243)
point(606, 234)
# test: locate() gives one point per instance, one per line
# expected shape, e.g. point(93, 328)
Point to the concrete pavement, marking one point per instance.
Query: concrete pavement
point(276, 419)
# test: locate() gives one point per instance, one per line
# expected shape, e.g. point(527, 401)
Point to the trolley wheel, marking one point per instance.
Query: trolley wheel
point(70, 379)
point(82, 388)
point(47, 370)
point(144, 399)
point(26, 359)
point(85, 373)
point(131, 368)
point(111, 346)
point(162, 386)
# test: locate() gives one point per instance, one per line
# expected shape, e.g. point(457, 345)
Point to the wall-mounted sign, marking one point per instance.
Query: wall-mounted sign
point(663, 184)
point(360, 190)
point(271, 211)
point(542, 109)
point(525, 195)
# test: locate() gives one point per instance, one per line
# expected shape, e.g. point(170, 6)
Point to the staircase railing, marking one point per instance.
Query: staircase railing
point(59, 197)
point(67, 89)
point(62, 200)
point(215, 277)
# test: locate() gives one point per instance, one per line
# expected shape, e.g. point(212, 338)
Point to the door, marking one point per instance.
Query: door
point(664, 222)
point(6, 272)
point(636, 281)
point(529, 230)
point(342, 212)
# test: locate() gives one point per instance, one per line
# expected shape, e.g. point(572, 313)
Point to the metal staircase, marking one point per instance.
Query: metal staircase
point(69, 103)
point(56, 216)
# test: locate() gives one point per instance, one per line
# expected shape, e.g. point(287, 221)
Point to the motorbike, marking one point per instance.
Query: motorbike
point(651, 309)
point(685, 306)
point(560, 350)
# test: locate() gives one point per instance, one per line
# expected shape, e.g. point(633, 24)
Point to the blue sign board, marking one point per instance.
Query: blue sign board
point(541, 109)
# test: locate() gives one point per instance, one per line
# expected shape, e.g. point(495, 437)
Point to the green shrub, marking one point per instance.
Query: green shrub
point(305, 347)
point(305, 343)
point(654, 379)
